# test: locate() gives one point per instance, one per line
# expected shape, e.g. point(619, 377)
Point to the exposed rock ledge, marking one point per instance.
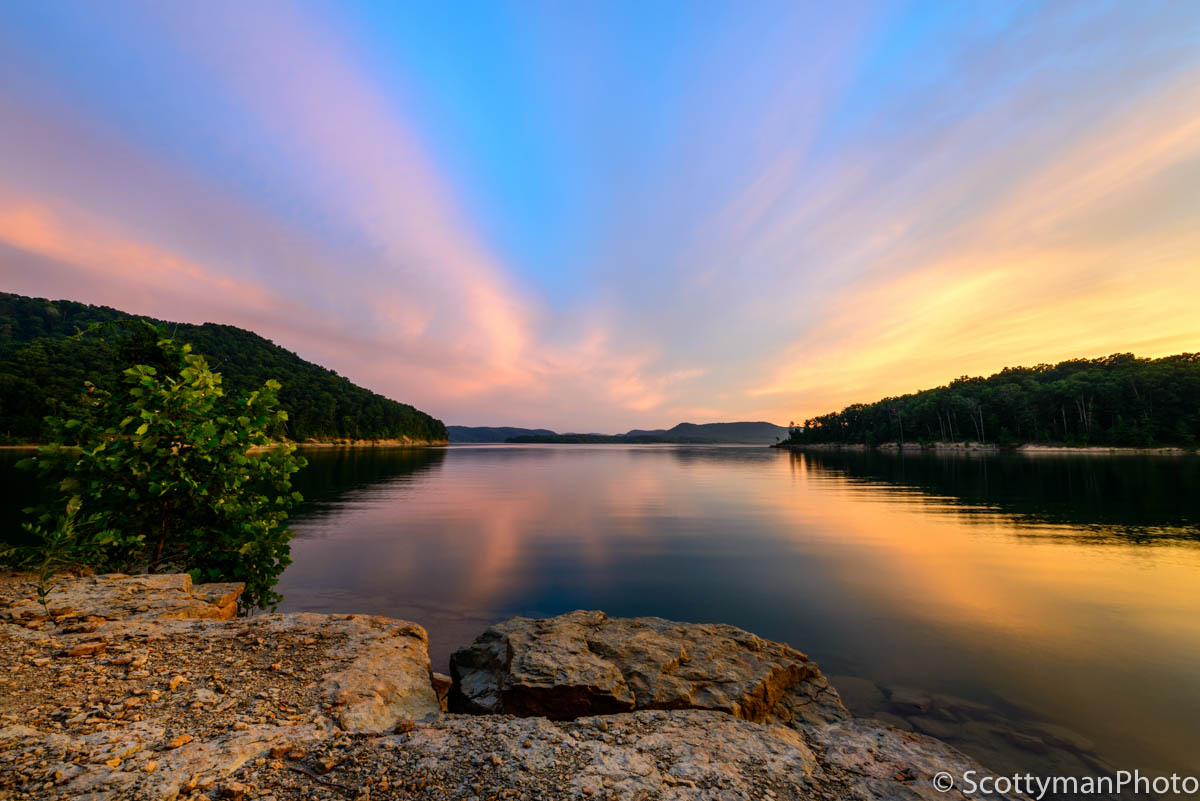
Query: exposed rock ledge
point(145, 687)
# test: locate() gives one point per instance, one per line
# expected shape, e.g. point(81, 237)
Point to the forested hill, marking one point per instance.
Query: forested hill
point(1117, 400)
point(40, 363)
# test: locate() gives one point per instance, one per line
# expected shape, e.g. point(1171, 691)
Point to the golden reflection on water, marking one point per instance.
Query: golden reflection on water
point(1023, 598)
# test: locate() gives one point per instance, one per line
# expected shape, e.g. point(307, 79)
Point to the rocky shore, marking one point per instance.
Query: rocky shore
point(148, 687)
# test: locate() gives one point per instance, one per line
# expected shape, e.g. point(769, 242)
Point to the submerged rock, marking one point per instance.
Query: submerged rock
point(586, 663)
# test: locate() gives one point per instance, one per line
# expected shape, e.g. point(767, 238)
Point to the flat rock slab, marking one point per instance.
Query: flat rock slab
point(586, 663)
point(116, 596)
point(648, 755)
point(129, 703)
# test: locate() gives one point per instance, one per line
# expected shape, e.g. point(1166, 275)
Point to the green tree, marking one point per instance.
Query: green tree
point(186, 476)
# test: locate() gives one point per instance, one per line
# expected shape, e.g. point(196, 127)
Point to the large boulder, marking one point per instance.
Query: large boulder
point(586, 663)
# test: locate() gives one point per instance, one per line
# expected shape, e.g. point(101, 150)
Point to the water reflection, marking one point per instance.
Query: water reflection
point(1025, 590)
point(1047, 606)
point(1129, 497)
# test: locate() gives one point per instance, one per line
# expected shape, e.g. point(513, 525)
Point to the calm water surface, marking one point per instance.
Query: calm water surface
point(1052, 590)
point(1027, 595)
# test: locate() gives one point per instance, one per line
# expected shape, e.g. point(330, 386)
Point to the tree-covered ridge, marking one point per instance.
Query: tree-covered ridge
point(42, 364)
point(1117, 400)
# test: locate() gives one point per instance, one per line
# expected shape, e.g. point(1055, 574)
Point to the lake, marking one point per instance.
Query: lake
point(1045, 610)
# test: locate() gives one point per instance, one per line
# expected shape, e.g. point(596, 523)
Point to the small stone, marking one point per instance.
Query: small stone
point(233, 790)
point(175, 681)
point(149, 766)
point(40, 661)
point(280, 751)
point(404, 726)
point(115, 762)
point(181, 740)
point(87, 648)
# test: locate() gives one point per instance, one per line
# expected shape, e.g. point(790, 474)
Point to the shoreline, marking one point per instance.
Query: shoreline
point(404, 442)
point(149, 687)
point(1031, 449)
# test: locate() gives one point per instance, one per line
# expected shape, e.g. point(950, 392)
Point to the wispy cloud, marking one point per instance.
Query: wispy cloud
point(774, 218)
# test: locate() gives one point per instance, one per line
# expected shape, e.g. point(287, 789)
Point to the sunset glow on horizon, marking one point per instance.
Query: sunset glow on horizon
point(597, 217)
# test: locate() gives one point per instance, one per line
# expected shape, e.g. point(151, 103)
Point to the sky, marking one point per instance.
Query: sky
point(601, 216)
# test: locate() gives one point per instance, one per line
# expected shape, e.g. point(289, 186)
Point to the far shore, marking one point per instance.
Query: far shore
point(1031, 449)
point(372, 443)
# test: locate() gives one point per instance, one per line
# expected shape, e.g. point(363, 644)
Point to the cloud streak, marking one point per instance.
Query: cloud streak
point(774, 219)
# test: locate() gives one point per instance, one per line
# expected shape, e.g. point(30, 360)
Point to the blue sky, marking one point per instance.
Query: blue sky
point(603, 216)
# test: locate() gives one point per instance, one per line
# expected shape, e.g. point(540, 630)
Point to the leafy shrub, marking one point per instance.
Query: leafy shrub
point(164, 471)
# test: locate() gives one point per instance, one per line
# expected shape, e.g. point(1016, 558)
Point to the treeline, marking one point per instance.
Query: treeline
point(43, 366)
point(1118, 400)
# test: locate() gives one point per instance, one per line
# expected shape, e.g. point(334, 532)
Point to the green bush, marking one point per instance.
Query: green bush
point(165, 472)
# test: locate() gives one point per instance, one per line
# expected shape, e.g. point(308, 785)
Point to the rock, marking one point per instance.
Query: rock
point(389, 679)
point(441, 686)
point(585, 663)
point(179, 742)
point(653, 754)
point(115, 595)
point(1062, 737)
point(906, 701)
point(234, 790)
point(949, 707)
point(810, 702)
point(871, 756)
point(86, 648)
point(223, 596)
point(1022, 740)
point(935, 727)
point(861, 696)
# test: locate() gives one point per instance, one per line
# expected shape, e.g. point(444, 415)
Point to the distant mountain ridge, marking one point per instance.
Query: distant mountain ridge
point(42, 365)
point(744, 432)
point(738, 433)
point(485, 434)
